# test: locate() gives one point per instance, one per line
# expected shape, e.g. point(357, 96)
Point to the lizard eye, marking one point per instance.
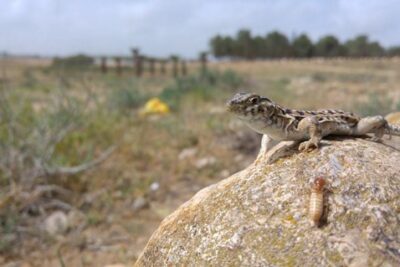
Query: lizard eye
point(254, 100)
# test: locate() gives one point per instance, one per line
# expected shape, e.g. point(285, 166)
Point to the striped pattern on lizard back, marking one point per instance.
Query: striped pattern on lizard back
point(267, 117)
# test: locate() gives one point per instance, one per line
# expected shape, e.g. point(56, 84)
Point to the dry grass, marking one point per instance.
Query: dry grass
point(110, 230)
point(321, 83)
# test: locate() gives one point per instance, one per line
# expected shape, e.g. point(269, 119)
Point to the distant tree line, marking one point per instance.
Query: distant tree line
point(276, 45)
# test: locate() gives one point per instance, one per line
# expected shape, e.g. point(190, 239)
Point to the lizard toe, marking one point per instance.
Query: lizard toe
point(304, 146)
point(308, 146)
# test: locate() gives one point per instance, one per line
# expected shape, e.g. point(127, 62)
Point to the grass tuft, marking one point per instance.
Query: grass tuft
point(377, 104)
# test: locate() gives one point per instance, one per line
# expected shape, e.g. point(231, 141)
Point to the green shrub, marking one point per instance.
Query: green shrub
point(203, 86)
point(377, 105)
point(232, 79)
point(171, 95)
point(8, 224)
point(28, 79)
point(125, 96)
point(77, 62)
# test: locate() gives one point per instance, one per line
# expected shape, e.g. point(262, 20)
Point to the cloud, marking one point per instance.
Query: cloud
point(182, 27)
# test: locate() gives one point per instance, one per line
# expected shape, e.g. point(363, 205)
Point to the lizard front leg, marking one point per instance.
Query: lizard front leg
point(310, 127)
point(271, 151)
point(266, 144)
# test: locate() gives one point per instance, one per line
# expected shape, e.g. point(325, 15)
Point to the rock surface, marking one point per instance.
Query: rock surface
point(259, 216)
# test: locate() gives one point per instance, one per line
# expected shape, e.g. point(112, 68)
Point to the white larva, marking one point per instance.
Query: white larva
point(316, 207)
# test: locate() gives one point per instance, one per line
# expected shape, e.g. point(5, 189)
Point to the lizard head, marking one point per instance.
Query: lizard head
point(249, 106)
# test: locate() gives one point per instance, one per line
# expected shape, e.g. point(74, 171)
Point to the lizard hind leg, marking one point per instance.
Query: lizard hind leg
point(374, 124)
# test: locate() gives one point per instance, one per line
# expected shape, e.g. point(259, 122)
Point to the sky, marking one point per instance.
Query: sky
point(183, 27)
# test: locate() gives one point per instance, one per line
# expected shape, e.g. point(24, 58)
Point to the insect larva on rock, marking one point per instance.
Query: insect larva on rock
point(316, 207)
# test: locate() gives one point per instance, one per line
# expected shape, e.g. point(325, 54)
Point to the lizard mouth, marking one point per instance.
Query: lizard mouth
point(232, 108)
point(237, 111)
point(229, 107)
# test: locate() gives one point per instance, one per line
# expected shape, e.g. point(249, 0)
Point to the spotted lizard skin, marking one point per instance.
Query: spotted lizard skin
point(308, 127)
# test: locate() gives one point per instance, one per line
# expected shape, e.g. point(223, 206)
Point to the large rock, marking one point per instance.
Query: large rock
point(259, 216)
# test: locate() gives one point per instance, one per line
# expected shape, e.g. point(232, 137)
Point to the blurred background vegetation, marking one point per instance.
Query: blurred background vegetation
point(88, 171)
point(96, 149)
point(277, 45)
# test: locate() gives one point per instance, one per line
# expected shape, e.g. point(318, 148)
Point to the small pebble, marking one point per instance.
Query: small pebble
point(56, 223)
point(154, 186)
point(140, 203)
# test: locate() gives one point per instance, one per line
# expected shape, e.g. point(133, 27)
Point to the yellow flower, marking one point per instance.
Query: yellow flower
point(155, 106)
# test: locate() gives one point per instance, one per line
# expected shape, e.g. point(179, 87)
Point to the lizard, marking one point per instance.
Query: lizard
point(304, 127)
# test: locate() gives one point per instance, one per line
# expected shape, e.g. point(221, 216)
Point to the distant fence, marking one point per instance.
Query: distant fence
point(141, 64)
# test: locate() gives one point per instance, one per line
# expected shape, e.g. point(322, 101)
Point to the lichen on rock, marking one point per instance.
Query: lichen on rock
point(258, 217)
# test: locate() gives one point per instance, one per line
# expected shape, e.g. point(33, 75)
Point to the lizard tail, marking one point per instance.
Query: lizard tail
point(392, 129)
